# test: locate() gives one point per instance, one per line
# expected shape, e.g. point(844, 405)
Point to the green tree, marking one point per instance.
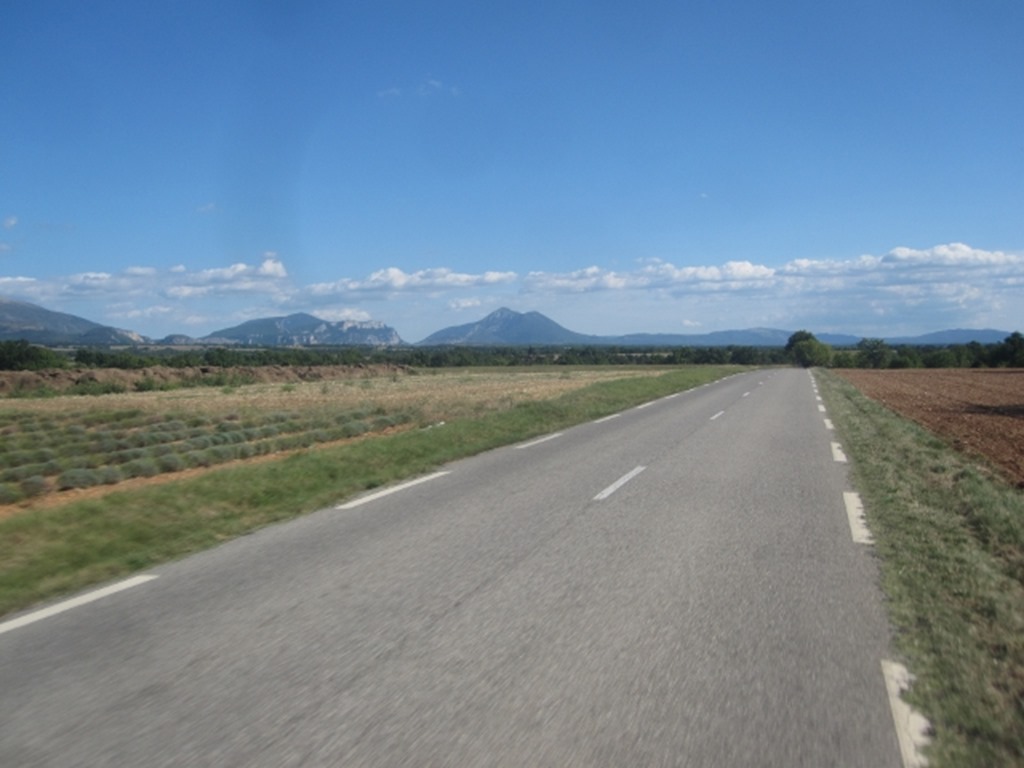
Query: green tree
point(796, 338)
point(806, 351)
point(19, 355)
point(811, 353)
point(874, 353)
point(1010, 352)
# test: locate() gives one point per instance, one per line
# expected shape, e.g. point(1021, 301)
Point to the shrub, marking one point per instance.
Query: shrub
point(36, 485)
point(198, 458)
point(383, 422)
point(246, 450)
point(141, 468)
point(354, 428)
point(111, 475)
point(198, 443)
point(78, 478)
point(172, 462)
point(221, 453)
point(97, 388)
point(9, 494)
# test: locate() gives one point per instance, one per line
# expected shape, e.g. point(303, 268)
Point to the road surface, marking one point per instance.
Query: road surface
point(673, 586)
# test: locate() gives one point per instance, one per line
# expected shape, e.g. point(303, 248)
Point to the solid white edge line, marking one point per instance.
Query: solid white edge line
point(912, 727)
point(837, 453)
point(389, 491)
point(644, 405)
point(855, 514)
point(539, 441)
point(618, 483)
point(607, 418)
point(75, 602)
point(720, 413)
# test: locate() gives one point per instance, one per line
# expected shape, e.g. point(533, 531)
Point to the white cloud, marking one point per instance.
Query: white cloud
point(208, 208)
point(17, 282)
point(5, 247)
point(653, 274)
point(133, 313)
point(343, 314)
point(395, 280)
point(272, 267)
point(905, 290)
point(10, 222)
point(953, 254)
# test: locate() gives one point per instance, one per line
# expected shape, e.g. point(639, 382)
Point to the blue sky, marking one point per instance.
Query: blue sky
point(180, 167)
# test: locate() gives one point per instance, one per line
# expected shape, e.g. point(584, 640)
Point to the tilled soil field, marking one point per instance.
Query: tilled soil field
point(978, 410)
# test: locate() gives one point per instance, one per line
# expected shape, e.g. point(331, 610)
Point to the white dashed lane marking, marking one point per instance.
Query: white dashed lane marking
point(74, 602)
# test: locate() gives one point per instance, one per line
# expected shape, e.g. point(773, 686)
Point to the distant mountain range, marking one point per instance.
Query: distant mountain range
point(503, 327)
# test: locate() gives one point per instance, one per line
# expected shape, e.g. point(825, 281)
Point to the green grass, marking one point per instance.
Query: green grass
point(950, 539)
point(49, 552)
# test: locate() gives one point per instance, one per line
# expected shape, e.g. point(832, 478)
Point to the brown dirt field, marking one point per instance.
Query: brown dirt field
point(979, 411)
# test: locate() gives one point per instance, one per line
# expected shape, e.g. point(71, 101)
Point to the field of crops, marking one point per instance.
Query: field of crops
point(60, 444)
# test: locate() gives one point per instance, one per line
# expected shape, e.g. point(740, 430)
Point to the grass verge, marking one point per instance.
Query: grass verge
point(49, 552)
point(950, 537)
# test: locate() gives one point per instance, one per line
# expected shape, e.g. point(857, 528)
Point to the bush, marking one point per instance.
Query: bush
point(111, 475)
point(9, 494)
point(97, 388)
point(35, 485)
point(354, 428)
point(172, 462)
point(199, 458)
point(78, 478)
point(198, 443)
point(141, 468)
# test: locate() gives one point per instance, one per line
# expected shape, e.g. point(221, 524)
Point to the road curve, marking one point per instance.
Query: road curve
point(674, 586)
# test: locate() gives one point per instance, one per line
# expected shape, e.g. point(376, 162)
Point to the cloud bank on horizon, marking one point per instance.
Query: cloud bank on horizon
point(897, 293)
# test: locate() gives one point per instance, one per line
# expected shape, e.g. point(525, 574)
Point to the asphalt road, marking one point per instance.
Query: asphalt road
point(675, 586)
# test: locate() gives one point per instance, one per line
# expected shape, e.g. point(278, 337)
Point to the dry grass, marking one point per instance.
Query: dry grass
point(442, 395)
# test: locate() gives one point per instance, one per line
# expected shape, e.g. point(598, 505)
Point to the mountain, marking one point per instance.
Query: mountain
point(505, 327)
point(953, 336)
point(305, 330)
point(21, 320)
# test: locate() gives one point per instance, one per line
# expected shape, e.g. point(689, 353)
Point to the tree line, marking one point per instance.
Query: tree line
point(802, 349)
point(805, 350)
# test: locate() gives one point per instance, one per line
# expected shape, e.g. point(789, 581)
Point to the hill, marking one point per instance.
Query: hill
point(30, 322)
point(301, 330)
point(506, 327)
point(503, 327)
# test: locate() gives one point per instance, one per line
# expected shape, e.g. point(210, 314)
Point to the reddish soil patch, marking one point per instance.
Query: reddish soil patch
point(978, 410)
